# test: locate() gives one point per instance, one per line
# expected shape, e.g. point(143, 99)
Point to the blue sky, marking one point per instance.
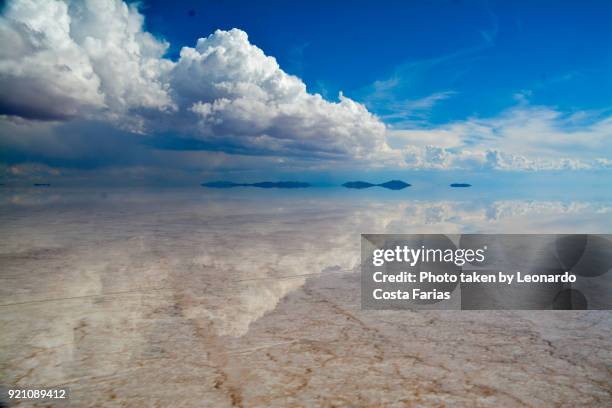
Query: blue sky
point(479, 53)
point(183, 91)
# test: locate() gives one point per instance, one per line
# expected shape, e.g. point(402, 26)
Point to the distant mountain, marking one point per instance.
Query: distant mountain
point(391, 185)
point(395, 185)
point(461, 185)
point(263, 184)
point(358, 184)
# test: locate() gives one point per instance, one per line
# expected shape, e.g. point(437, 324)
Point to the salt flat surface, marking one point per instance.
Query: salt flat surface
point(231, 298)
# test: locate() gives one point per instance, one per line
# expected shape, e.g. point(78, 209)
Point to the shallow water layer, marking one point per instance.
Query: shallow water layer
point(198, 297)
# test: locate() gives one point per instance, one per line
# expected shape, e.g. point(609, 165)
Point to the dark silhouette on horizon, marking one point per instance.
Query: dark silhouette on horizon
point(391, 185)
point(262, 184)
point(460, 185)
point(358, 184)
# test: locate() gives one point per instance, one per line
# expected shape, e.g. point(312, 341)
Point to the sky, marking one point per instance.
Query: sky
point(182, 91)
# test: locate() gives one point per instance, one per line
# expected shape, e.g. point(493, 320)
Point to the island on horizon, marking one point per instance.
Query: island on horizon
point(460, 185)
point(391, 185)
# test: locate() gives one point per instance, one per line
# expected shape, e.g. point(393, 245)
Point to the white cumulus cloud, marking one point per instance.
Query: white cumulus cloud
point(525, 137)
point(93, 59)
point(73, 59)
point(238, 92)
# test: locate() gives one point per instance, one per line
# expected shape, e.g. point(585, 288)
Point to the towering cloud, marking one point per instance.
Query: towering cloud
point(236, 91)
point(92, 59)
point(65, 60)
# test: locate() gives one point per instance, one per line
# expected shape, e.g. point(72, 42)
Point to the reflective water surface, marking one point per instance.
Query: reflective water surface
point(202, 297)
